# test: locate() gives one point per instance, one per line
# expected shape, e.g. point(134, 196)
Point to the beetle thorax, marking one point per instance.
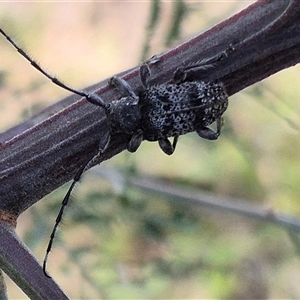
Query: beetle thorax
point(124, 116)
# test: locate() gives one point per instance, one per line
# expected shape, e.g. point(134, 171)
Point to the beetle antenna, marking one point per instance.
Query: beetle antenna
point(90, 162)
point(91, 97)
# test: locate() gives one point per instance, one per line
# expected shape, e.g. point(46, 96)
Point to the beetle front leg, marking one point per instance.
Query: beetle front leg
point(123, 87)
point(145, 75)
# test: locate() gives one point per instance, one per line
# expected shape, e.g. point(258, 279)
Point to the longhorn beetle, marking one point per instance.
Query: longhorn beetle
point(155, 113)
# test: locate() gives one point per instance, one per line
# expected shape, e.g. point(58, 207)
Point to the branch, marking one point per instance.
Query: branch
point(17, 262)
point(39, 159)
point(201, 199)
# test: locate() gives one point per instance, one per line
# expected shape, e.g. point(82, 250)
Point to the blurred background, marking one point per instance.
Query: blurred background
point(118, 240)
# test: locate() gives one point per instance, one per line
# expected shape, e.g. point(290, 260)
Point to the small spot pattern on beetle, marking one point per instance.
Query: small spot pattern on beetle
point(176, 109)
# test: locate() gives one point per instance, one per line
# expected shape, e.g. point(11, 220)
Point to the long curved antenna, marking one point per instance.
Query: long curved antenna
point(91, 97)
point(60, 214)
point(102, 147)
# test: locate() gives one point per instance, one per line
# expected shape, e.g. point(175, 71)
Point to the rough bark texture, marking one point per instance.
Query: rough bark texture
point(36, 159)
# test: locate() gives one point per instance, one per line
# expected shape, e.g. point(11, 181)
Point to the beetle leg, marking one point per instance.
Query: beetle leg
point(181, 73)
point(166, 146)
point(175, 140)
point(123, 87)
point(209, 134)
point(145, 74)
point(135, 142)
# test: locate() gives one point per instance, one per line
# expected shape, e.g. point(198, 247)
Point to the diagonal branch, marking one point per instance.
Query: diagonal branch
point(37, 159)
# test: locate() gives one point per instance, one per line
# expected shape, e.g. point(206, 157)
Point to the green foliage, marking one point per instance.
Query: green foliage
point(150, 28)
point(179, 13)
point(3, 75)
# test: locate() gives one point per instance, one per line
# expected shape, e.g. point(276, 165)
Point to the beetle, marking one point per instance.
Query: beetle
point(154, 113)
point(159, 112)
